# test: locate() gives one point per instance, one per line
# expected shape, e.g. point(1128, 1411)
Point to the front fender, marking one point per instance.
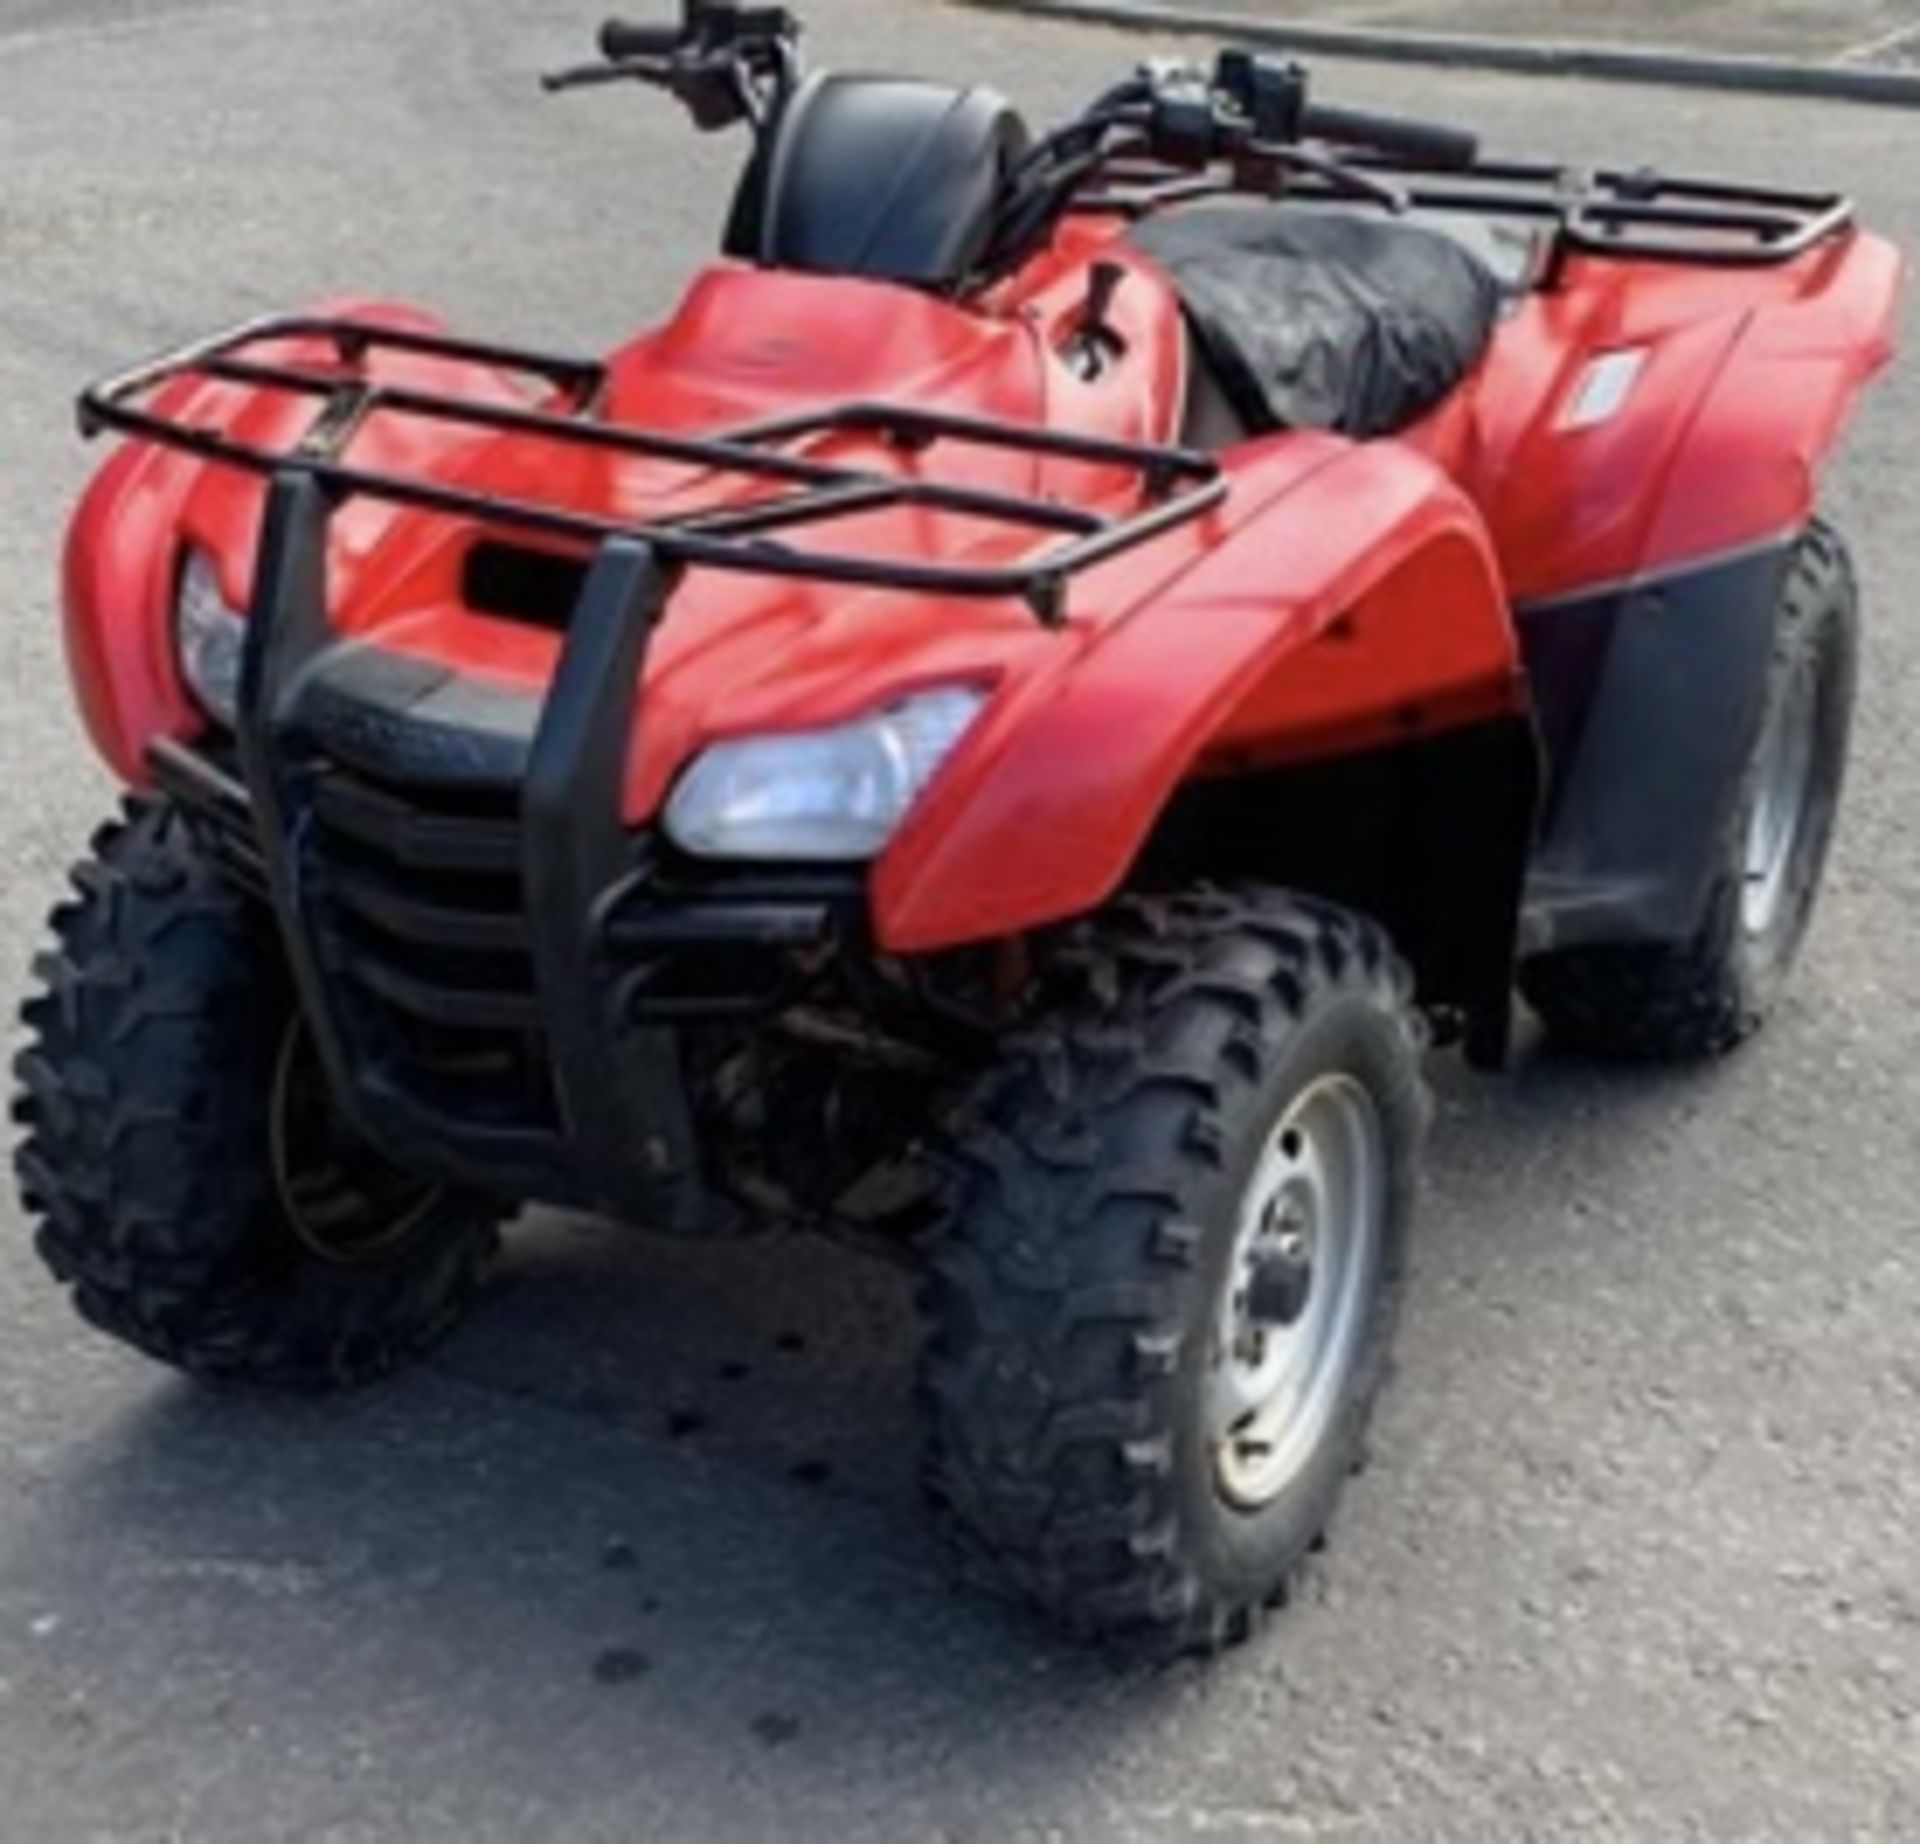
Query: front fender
point(123, 549)
point(1361, 604)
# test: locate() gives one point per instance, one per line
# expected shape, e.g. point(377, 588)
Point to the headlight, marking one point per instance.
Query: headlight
point(832, 794)
point(210, 636)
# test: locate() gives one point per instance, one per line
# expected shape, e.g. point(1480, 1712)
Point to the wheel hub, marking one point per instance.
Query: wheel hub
point(1281, 1286)
point(1293, 1314)
point(1781, 801)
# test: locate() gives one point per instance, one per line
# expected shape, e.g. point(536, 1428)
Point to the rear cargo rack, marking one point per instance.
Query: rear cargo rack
point(1641, 216)
point(760, 536)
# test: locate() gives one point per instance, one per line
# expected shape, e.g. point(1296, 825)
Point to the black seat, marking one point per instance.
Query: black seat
point(1326, 319)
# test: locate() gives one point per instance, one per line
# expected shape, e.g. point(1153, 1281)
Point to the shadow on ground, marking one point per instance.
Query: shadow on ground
point(650, 1518)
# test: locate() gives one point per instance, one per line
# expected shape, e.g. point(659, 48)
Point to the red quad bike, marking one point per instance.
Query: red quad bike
point(1001, 728)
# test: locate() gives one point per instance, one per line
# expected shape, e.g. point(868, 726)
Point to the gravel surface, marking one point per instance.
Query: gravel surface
point(638, 1556)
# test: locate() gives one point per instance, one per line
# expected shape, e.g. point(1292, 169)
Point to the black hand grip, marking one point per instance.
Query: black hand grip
point(1423, 143)
point(621, 39)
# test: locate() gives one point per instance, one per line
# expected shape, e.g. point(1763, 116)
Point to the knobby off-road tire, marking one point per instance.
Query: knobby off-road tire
point(1079, 1303)
point(171, 1157)
point(1703, 998)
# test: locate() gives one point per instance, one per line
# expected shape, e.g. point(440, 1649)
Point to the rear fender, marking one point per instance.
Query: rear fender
point(1686, 416)
point(1359, 606)
point(1748, 468)
point(1651, 682)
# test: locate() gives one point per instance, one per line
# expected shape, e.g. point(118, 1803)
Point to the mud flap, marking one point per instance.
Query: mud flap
point(1648, 698)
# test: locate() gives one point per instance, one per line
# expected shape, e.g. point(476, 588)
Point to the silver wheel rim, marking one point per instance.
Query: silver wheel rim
point(344, 1213)
point(1782, 796)
point(1312, 1214)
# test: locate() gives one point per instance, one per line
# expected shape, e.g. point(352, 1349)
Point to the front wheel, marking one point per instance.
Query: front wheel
point(193, 1182)
point(1178, 1233)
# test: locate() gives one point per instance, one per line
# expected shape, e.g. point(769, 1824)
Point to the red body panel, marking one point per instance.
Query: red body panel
point(1342, 596)
point(1747, 377)
point(125, 544)
point(1383, 606)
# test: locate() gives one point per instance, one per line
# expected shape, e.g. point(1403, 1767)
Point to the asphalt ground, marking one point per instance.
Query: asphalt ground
point(638, 1555)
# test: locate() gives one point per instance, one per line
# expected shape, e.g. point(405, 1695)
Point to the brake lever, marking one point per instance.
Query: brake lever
point(590, 76)
point(1354, 182)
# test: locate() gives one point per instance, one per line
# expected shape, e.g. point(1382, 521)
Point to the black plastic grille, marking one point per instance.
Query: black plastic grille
point(417, 896)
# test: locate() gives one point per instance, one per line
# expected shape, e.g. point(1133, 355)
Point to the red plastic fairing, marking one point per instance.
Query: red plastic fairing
point(1354, 601)
point(1341, 598)
point(123, 548)
point(743, 345)
point(1777, 408)
point(1733, 387)
point(117, 582)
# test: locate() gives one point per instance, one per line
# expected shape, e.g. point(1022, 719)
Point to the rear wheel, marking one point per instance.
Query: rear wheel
point(1703, 997)
point(1162, 1309)
point(193, 1182)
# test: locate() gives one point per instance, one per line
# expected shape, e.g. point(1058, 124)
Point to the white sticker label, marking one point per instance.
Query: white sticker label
point(1604, 389)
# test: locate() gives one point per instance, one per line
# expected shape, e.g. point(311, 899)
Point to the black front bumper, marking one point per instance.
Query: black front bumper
point(495, 968)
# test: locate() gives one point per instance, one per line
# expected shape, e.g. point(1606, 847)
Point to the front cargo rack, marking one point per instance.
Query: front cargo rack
point(1640, 215)
point(490, 957)
point(1176, 484)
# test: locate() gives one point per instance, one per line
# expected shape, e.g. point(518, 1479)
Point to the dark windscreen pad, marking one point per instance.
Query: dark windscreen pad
point(1326, 319)
point(884, 177)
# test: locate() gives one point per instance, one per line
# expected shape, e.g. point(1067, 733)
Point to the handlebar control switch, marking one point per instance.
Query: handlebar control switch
point(1185, 129)
point(1271, 93)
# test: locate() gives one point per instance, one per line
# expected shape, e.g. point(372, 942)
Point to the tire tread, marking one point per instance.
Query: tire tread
point(136, 1091)
point(1056, 1302)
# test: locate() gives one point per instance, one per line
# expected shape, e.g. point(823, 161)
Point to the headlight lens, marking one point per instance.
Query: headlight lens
point(825, 795)
point(210, 635)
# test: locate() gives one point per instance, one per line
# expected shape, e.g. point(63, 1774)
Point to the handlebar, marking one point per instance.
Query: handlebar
point(1267, 99)
point(1251, 112)
point(728, 61)
point(707, 27)
point(623, 39)
point(725, 62)
point(1422, 143)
